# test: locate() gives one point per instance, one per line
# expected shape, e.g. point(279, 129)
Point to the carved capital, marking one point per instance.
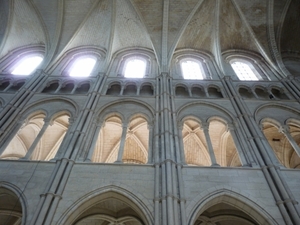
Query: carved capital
point(205, 126)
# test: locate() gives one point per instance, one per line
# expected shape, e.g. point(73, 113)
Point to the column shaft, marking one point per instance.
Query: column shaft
point(94, 142)
point(150, 144)
point(37, 140)
point(122, 143)
point(291, 140)
point(210, 147)
point(238, 147)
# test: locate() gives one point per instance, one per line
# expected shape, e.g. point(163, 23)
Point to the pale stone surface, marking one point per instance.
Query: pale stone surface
point(159, 150)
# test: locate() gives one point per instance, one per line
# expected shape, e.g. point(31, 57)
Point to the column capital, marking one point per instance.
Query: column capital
point(125, 125)
point(180, 125)
point(230, 126)
point(100, 74)
point(48, 120)
point(290, 77)
point(204, 126)
point(228, 78)
point(23, 122)
point(71, 120)
point(150, 125)
point(284, 129)
point(99, 123)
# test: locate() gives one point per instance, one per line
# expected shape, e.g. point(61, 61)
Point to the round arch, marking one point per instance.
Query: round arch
point(222, 112)
point(72, 110)
point(115, 107)
point(279, 112)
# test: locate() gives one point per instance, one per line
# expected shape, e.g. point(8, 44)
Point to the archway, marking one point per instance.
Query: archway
point(38, 139)
point(195, 149)
point(225, 207)
point(136, 141)
point(281, 146)
point(10, 208)
point(107, 207)
point(223, 144)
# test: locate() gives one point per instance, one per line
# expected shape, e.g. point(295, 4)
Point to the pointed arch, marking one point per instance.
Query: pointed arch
point(248, 208)
point(13, 204)
point(84, 205)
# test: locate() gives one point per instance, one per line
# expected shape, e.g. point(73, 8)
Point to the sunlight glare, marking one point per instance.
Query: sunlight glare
point(191, 70)
point(27, 66)
point(243, 71)
point(135, 68)
point(82, 67)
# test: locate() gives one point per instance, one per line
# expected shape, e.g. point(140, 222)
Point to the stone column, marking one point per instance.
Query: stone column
point(180, 140)
point(150, 143)
point(8, 87)
point(122, 143)
point(286, 132)
point(284, 200)
point(291, 91)
point(271, 96)
point(13, 110)
point(232, 131)
point(122, 90)
point(74, 88)
point(47, 122)
point(94, 142)
point(254, 93)
point(269, 150)
point(58, 88)
point(206, 92)
point(205, 127)
point(66, 139)
point(138, 90)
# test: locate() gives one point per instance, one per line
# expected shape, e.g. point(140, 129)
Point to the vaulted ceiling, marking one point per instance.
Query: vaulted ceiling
point(261, 26)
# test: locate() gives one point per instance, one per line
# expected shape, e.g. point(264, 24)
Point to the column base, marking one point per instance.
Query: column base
point(215, 165)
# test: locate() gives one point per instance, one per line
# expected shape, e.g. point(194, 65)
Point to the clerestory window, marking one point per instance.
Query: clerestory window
point(27, 65)
point(245, 70)
point(135, 67)
point(82, 66)
point(191, 69)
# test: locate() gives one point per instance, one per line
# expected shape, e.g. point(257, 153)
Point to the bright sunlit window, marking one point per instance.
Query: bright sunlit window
point(82, 67)
point(135, 68)
point(243, 71)
point(27, 65)
point(191, 69)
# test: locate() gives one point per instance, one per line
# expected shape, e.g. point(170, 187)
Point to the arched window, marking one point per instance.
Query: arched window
point(191, 69)
point(284, 140)
point(37, 139)
point(135, 147)
point(135, 67)
point(82, 66)
point(245, 70)
point(27, 65)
